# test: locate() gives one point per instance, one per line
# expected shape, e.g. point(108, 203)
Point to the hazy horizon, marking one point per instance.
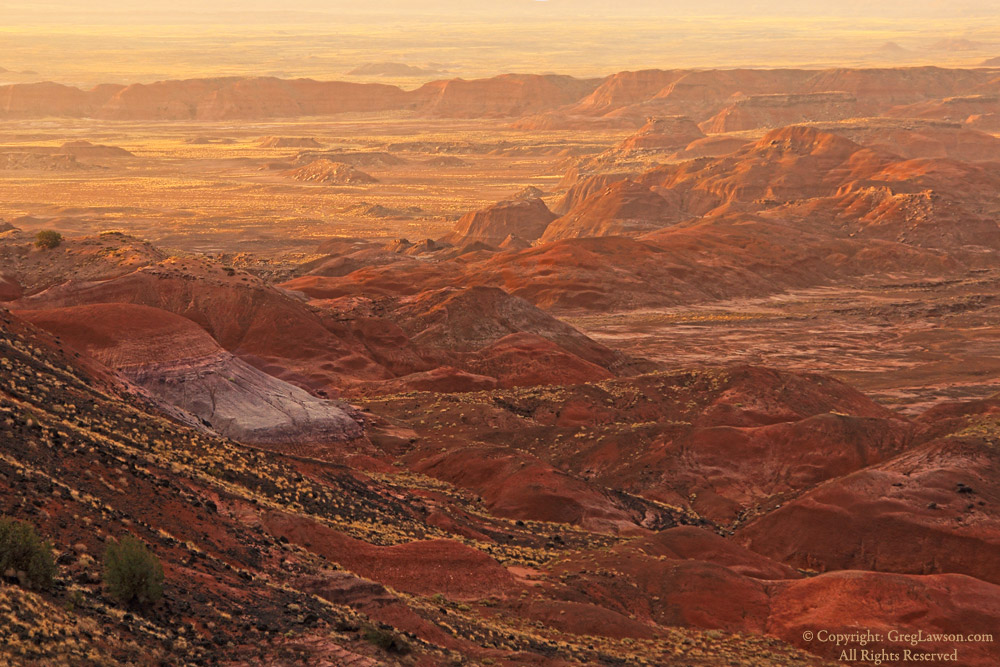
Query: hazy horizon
point(111, 41)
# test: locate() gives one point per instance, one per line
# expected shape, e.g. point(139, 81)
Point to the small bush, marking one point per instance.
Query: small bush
point(22, 550)
point(132, 572)
point(387, 640)
point(48, 239)
point(75, 601)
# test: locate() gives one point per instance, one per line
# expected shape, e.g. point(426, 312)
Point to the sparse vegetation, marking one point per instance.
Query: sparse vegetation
point(48, 239)
point(26, 553)
point(132, 572)
point(385, 639)
point(74, 601)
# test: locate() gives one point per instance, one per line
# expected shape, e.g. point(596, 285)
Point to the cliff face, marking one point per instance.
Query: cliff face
point(776, 110)
point(501, 96)
point(268, 97)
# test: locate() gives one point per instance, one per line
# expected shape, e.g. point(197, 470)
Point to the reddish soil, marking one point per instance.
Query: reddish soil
point(668, 367)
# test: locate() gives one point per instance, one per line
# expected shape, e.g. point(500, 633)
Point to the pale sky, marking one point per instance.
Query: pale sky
point(63, 10)
point(88, 42)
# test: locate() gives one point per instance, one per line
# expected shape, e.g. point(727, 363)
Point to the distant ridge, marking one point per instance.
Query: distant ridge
point(268, 97)
point(548, 101)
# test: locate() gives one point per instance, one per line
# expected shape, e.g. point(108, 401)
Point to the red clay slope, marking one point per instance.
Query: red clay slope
point(250, 319)
point(929, 510)
point(179, 363)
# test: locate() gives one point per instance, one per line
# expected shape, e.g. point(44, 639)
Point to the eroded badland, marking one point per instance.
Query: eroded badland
point(664, 367)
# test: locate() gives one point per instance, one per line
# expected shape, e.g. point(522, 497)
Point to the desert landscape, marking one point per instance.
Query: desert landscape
point(403, 365)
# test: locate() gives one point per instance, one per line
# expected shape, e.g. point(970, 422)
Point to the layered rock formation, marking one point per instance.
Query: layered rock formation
point(179, 363)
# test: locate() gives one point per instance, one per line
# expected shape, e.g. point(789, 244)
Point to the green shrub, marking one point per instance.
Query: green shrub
point(132, 572)
point(48, 239)
point(22, 550)
point(75, 601)
point(387, 640)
